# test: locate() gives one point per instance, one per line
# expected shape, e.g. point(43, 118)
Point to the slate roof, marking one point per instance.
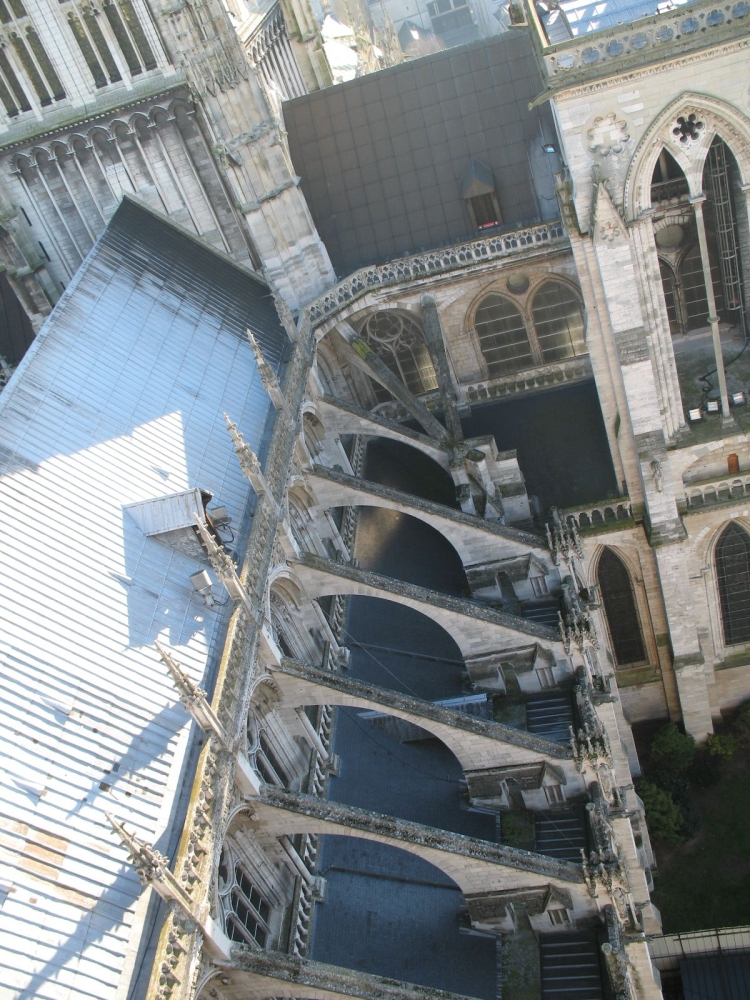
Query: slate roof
point(119, 399)
point(381, 157)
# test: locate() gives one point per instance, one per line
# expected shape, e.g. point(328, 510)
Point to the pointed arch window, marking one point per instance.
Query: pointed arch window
point(620, 610)
point(247, 921)
point(558, 321)
point(399, 342)
point(502, 335)
point(733, 576)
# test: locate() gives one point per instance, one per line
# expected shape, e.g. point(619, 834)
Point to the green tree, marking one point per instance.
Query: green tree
point(662, 813)
point(721, 746)
point(672, 752)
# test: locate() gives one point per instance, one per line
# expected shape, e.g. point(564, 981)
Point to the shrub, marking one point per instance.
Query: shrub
point(672, 752)
point(721, 746)
point(706, 769)
point(679, 788)
point(662, 813)
point(742, 722)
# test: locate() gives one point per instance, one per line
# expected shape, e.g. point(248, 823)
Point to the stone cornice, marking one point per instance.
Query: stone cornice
point(83, 118)
point(470, 255)
point(617, 78)
point(661, 40)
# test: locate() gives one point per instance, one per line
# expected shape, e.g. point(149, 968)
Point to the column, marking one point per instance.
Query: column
point(713, 319)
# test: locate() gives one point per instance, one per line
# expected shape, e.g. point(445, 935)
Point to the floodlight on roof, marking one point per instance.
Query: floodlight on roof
point(738, 399)
point(695, 415)
point(201, 582)
point(548, 147)
point(713, 406)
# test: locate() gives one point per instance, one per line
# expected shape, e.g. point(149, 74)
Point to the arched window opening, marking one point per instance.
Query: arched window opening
point(733, 575)
point(558, 321)
point(620, 610)
point(668, 182)
point(502, 336)
point(268, 764)
point(248, 918)
point(399, 342)
point(313, 432)
point(720, 181)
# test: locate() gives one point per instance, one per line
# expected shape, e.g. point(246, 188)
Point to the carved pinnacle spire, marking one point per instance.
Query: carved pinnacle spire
point(224, 567)
point(151, 866)
point(250, 465)
point(194, 699)
point(267, 374)
point(153, 869)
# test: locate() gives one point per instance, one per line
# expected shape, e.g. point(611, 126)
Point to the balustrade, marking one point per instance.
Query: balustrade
point(611, 49)
point(710, 493)
point(572, 370)
point(408, 269)
point(602, 515)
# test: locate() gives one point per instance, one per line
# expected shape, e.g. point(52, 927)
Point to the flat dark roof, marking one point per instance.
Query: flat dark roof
point(381, 157)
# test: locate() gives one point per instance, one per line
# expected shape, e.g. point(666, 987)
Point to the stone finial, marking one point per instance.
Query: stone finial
point(150, 865)
point(562, 537)
point(194, 699)
point(250, 465)
point(224, 567)
point(267, 374)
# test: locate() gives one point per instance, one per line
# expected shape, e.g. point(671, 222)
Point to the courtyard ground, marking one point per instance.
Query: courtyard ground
point(705, 881)
point(694, 356)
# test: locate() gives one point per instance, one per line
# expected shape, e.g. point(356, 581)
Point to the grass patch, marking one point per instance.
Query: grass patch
point(705, 882)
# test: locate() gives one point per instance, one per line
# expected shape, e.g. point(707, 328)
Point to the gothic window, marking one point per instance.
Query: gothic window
point(668, 182)
point(399, 342)
point(299, 520)
point(13, 95)
point(733, 575)
point(502, 336)
point(268, 763)
point(248, 912)
point(558, 321)
point(620, 610)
